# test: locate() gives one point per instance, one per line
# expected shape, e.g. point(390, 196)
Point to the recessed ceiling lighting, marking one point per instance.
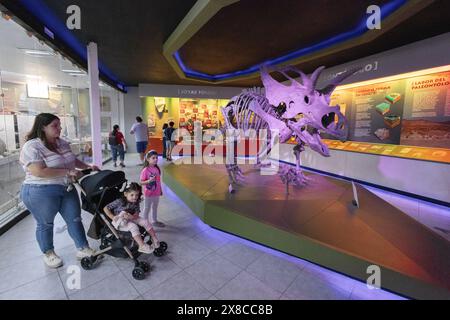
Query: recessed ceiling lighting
point(20, 75)
point(73, 71)
point(100, 83)
point(37, 52)
point(33, 76)
point(77, 74)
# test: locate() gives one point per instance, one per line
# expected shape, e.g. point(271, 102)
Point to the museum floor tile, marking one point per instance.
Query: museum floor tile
point(201, 263)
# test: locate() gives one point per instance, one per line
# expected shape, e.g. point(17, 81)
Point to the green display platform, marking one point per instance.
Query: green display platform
point(319, 223)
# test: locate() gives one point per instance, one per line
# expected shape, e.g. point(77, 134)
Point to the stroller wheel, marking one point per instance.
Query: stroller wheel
point(163, 246)
point(87, 263)
point(144, 266)
point(138, 273)
point(158, 252)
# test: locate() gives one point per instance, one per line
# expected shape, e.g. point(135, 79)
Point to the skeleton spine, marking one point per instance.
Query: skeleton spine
point(238, 115)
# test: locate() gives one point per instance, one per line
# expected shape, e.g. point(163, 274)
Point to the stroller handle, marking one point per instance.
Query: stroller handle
point(85, 173)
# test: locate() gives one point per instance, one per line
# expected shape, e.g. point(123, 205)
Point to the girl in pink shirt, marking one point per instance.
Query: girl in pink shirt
point(151, 181)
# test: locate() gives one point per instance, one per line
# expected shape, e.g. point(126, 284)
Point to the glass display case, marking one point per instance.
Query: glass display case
point(32, 84)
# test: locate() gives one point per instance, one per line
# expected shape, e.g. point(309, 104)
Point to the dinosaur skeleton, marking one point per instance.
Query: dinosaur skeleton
point(296, 110)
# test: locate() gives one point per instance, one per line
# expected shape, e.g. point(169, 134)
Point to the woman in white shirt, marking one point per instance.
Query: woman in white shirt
point(49, 166)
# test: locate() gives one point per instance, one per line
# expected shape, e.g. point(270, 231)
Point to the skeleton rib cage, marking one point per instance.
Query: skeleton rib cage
point(237, 113)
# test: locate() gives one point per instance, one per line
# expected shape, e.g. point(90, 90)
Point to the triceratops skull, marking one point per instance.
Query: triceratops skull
point(306, 105)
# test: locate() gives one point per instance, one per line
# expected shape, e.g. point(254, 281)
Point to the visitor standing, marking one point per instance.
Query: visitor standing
point(50, 167)
point(165, 126)
point(118, 146)
point(140, 131)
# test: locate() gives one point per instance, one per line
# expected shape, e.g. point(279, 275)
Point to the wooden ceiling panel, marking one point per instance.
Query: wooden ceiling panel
point(252, 31)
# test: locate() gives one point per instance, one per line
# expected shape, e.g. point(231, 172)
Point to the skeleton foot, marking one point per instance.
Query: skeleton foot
point(300, 179)
point(239, 173)
point(262, 165)
point(239, 179)
point(290, 175)
point(305, 178)
point(235, 176)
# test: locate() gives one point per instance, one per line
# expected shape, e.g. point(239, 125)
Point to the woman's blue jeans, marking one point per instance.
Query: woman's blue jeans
point(44, 202)
point(164, 147)
point(118, 149)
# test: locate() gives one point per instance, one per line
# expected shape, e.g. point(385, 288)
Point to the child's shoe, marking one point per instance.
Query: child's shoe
point(155, 244)
point(146, 249)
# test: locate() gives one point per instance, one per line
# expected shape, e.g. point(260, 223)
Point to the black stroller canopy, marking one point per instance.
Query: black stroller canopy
point(95, 183)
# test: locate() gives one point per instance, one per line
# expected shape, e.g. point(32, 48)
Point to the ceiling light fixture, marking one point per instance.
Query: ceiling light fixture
point(20, 75)
point(37, 52)
point(29, 76)
point(73, 71)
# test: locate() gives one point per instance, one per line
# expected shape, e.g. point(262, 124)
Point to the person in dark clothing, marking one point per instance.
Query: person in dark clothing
point(165, 126)
point(170, 140)
point(118, 145)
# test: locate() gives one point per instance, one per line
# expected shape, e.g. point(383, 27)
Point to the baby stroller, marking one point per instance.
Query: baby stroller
point(97, 190)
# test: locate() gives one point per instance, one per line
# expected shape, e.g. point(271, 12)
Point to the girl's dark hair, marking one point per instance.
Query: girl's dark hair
point(138, 119)
point(115, 129)
point(171, 123)
point(133, 186)
point(148, 155)
point(165, 125)
point(37, 131)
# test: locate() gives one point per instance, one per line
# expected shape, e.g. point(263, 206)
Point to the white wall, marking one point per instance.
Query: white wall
point(424, 178)
point(425, 54)
point(115, 98)
point(131, 108)
point(177, 91)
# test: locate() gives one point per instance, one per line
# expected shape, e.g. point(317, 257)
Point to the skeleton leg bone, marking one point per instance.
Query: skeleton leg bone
point(235, 176)
point(260, 164)
point(301, 179)
point(231, 178)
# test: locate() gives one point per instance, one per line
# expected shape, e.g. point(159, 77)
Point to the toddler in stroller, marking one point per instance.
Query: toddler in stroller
point(124, 212)
point(102, 195)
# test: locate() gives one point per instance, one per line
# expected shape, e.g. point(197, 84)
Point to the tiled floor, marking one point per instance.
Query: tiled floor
point(201, 263)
